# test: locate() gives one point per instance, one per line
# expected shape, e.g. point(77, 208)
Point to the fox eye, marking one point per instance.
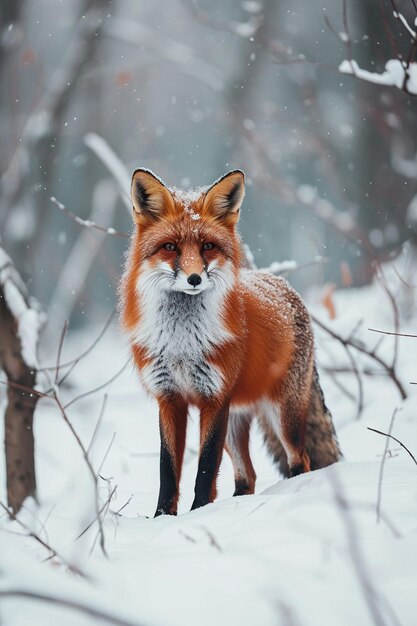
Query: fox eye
point(208, 246)
point(170, 246)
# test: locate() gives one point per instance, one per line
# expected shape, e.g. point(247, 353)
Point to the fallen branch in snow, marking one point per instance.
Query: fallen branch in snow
point(20, 323)
point(31, 533)
point(375, 430)
point(80, 607)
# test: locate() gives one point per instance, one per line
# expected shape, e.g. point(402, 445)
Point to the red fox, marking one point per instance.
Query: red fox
point(205, 331)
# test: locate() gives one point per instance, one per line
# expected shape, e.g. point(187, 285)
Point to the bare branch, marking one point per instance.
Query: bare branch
point(387, 332)
point(87, 223)
point(75, 361)
point(100, 387)
point(389, 369)
point(382, 465)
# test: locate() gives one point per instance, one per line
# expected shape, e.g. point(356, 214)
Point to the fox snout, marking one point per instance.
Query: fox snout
point(194, 280)
point(191, 283)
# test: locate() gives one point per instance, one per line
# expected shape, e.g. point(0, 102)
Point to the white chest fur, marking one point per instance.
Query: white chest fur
point(179, 332)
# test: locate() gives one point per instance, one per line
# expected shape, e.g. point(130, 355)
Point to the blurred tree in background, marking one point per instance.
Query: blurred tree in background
point(192, 89)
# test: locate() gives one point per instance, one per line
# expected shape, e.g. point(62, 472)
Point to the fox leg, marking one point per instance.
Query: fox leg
point(293, 420)
point(237, 446)
point(285, 423)
point(173, 428)
point(213, 427)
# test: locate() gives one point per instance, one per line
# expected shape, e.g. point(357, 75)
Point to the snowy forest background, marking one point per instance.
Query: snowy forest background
point(317, 104)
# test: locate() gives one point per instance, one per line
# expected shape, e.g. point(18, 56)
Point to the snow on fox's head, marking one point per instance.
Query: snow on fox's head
point(186, 240)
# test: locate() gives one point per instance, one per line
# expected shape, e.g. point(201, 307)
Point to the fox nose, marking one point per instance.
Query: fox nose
point(194, 279)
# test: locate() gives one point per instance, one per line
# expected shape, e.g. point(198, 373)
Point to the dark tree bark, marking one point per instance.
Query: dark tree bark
point(18, 433)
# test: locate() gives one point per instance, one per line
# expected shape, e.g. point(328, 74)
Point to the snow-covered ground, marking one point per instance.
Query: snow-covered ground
point(307, 551)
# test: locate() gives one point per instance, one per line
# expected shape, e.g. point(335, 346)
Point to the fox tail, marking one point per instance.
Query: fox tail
point(320, 438)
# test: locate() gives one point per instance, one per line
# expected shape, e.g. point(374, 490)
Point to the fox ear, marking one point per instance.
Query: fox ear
point(151, 199)
point(222, 201)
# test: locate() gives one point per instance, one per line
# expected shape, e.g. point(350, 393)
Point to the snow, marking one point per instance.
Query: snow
point(29, 318)
point(277, 267)
point(293, 553)
point(404, 22)
point(395, 75)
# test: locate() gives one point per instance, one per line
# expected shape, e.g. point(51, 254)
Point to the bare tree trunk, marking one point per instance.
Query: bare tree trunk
point(18, 437)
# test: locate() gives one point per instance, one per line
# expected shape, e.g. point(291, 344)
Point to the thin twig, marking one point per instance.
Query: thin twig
point(89, 465)
point(100, 387)
point(58, 356)
point(87, 528)
point(382, 465)
point(375, 430)
point(74, 362)
point(128, 501)
point(382, 280)
point(87, 223)
point(348, 38)
point(387, 332)
point(98, 423)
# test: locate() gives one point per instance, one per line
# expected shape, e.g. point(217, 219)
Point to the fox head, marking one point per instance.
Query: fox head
point(186, 240)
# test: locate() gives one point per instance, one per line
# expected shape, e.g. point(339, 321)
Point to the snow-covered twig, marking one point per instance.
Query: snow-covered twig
point(26, 311)
point(398, 73)
point(87, 223)
point(109, 158)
